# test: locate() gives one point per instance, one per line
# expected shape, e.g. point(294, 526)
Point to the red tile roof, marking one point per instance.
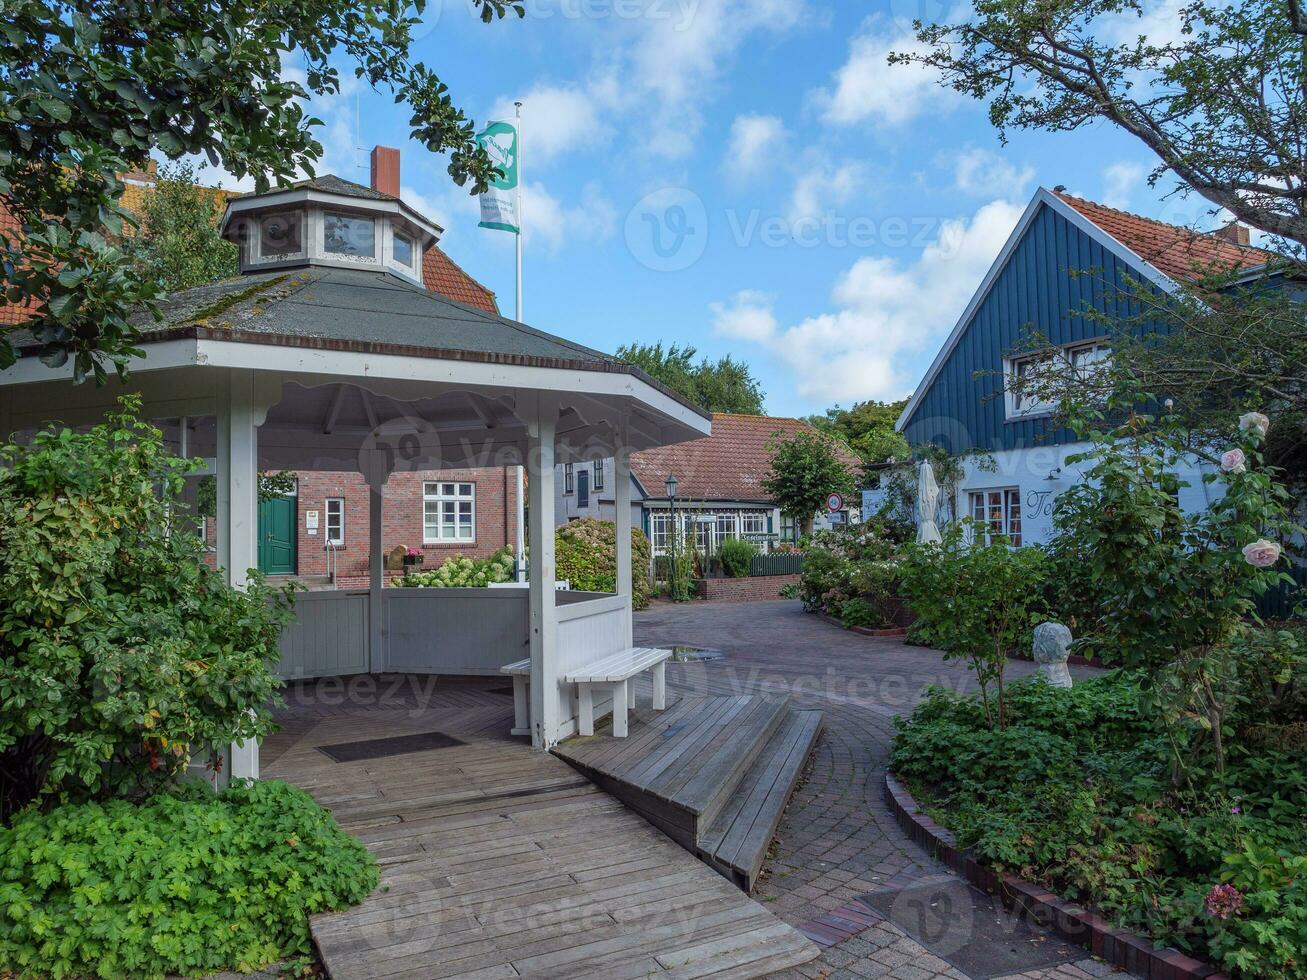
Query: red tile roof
point(730, 464)
point(443, 275)
point(1181, 253)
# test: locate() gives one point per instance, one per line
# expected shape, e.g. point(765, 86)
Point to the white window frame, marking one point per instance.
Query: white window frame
point(569, 478)
point(1009, 521)
point(1069, 352)
point(351, 216)
point(412, 249)
point(749, 517)
point(434, 492)
point(597, 475)
point(338, 539)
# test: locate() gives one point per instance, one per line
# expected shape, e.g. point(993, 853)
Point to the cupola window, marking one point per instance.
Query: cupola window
point(280, 233)
point(403, 250)
point(347, 234)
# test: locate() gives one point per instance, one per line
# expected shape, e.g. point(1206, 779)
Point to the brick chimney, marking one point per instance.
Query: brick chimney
point(1234, 233)
point(385, 170)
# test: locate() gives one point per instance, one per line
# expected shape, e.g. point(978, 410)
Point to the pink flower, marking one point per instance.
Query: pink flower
point(1223, 901)
point(1234, 461)
point(1261, 553)
point(1254, 422)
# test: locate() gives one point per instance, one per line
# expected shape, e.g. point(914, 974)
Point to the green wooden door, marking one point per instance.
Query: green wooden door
point(277, 537)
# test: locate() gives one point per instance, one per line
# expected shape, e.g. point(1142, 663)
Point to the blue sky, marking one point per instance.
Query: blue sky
point(821, 215)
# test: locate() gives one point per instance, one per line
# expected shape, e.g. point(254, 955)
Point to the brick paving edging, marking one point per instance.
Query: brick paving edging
point(1069, 920)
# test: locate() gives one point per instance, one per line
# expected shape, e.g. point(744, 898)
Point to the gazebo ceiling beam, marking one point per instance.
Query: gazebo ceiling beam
point(333, 411)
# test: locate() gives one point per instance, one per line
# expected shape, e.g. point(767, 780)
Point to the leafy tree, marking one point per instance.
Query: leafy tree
point(724, 385)
point(806, 468)
point(91, 89)
point(178, 240)
point(867, 428)
point(1220, 103)
point(122, 654)
point(977, 599)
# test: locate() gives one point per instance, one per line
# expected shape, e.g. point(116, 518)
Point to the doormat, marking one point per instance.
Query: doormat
point(382, 748)
point(971, 930)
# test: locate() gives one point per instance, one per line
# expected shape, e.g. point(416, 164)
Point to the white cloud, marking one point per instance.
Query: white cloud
point(884, 311)
point(985, 173)
point(822, 188)
point(748, 316)
point(1120, 180)
point(754, 145)
point(866, 88)
point(555, 119)
point(549, 222)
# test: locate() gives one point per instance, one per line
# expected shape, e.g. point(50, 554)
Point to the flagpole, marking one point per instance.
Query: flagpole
point(521, 483)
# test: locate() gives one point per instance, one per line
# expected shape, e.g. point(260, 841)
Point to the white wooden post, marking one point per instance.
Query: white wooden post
point(622, 523)
point(542, 423)
point(238, 509)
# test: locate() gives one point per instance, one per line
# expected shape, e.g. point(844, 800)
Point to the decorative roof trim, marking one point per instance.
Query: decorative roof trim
point(1043, 198)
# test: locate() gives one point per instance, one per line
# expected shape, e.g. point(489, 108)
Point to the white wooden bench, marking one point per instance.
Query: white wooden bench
point(617, 672)
point(521, 674)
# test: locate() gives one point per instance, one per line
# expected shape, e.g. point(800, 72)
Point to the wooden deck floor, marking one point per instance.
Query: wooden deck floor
point(501, 862)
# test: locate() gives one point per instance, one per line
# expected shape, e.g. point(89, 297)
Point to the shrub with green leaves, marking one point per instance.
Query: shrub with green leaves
point(736, 556)
point(978, 600)
point(586, 556)
point(189, 883)
point(121, 653)
point(853, 567)
point(1076, 793)
point(461, 572)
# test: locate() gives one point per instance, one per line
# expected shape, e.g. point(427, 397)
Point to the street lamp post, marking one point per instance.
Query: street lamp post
point(671, 503)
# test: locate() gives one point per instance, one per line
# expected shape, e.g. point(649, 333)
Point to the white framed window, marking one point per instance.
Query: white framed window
point(448, 513)
point(569, 478)
point(349, 234)
point(597, 475)
point(1000, 511)
point(402, 249)
point(753, 526)
point(727, 527)
point(281, 234)
point(1024, 374)
point(335, 507)
point(660, 530)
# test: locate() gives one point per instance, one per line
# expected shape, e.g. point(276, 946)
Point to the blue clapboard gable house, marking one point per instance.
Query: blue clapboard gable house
point(1065, 256)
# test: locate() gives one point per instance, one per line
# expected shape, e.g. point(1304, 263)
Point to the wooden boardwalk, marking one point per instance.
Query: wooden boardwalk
point(502, 862)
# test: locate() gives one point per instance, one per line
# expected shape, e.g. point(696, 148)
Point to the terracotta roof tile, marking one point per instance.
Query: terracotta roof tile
point(443, 275)
point(1181, 253)
point(730, 464)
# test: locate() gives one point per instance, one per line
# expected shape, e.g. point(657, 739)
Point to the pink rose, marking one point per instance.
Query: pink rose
point(1234, 461)
point(1261, 553)
point(1256, 423)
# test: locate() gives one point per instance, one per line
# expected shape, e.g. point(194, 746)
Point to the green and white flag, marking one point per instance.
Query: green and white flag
point(499, 202)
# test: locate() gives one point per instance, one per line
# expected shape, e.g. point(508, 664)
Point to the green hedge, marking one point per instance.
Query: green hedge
point(587, 558)
point(191, 884)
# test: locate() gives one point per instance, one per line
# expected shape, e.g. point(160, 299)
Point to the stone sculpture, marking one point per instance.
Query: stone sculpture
point(1052, 648)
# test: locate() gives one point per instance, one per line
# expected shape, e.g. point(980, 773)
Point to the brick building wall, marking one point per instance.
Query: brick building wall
point(401, 518)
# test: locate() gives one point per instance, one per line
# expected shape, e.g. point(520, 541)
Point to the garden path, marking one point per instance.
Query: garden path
point(838, 841)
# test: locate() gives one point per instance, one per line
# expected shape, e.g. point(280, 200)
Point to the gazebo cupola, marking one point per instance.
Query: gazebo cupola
point(330, 221)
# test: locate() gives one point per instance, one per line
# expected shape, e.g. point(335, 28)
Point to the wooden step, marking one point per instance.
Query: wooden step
point(680, 767)
point(736, 842)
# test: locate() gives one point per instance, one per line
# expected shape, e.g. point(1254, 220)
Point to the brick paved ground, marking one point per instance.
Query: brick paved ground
point(838, 840)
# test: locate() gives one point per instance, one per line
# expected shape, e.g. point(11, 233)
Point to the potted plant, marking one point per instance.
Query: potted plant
point(412, 556)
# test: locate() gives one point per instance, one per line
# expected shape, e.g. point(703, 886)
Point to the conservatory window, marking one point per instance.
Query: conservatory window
point(348, 234)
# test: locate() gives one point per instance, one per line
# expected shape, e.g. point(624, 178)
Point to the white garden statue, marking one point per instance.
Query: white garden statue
point(1052, 648)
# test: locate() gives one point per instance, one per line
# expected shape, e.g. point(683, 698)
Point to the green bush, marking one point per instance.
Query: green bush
point(736, 556)
point(586, 554)
point(852, 564)
point(1076, 793)
point(461, 572)
point(190, 884)
point(977, 600)
point(121, 652)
